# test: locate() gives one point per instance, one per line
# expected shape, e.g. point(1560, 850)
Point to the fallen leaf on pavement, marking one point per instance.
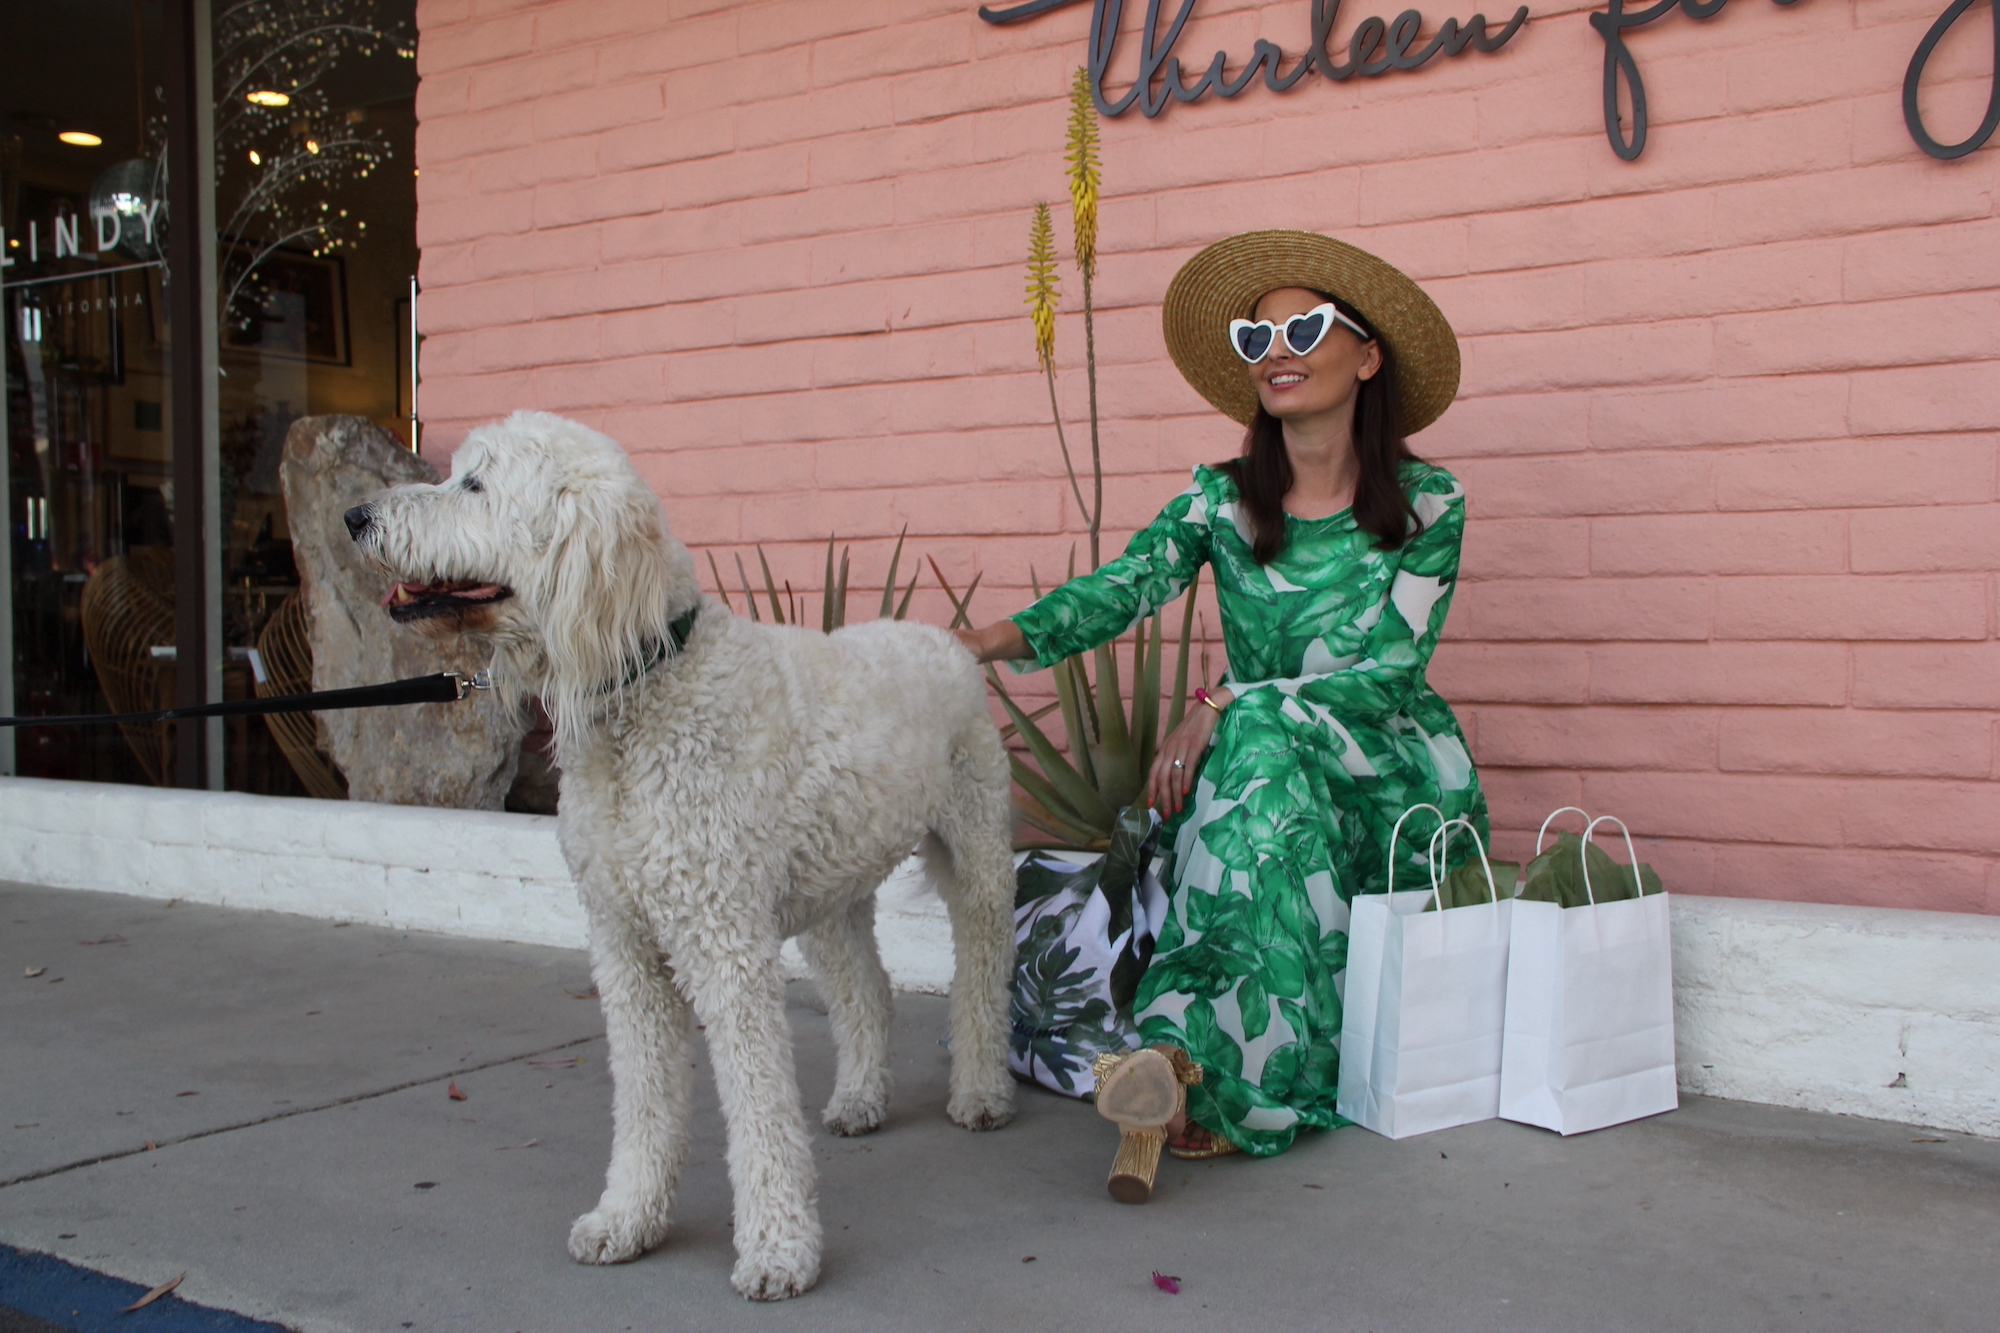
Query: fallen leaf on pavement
point(590, 994)
point(425, 1185)
point(1929, 1140)
point(33, 971)
point(33, 1125)
point(108, 939)
point(151, 1146)
point(152, 1295)
point(510, 1147)
point(1312, 1187)
point(1027, 1258)
point(54, 980)
point(571, 1063)
point(453, 1092)
point(189, 1093)
point(1170, 1285)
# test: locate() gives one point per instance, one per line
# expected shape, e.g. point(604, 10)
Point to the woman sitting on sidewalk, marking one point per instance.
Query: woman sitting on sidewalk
point(1335, 551)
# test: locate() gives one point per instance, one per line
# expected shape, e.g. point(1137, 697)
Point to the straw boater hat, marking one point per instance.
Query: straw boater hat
point(1226, 280)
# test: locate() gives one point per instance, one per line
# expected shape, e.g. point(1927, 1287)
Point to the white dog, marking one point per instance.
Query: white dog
point(725, 785)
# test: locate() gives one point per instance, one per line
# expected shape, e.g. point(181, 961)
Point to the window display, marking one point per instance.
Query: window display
point(313, 128)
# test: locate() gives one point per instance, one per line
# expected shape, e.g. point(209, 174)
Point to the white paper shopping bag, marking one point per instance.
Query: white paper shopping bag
point(1590, 1009)
point(1420, 1036)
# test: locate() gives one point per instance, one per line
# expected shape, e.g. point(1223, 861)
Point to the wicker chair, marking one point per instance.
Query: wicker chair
point(128, 610)
point(288, 669)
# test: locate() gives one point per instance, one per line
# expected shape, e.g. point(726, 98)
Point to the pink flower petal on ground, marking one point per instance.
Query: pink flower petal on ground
point(1170, 1285)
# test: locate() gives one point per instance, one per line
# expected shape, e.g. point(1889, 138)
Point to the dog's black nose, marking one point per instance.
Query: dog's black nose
point(358, 519)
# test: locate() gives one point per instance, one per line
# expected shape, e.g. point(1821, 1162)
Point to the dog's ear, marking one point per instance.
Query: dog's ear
point(600, 591)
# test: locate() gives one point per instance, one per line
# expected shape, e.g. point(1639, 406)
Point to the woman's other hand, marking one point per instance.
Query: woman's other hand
point(1172, 778)
point(1001, 641)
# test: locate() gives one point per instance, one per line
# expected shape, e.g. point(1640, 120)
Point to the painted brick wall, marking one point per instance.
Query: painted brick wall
point(1729, 419)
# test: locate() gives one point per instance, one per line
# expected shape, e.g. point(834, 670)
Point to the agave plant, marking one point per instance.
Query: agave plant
point(790, 609)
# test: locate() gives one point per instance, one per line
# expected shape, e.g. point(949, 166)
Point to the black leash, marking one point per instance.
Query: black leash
point(443, 688)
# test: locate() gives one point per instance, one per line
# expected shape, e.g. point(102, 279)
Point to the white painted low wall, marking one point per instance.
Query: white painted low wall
point(461, 872)
point(1862, 1011)
point(1865, 1011)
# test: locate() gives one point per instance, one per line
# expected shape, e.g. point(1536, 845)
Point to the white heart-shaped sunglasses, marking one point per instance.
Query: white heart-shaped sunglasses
point(1253, 339)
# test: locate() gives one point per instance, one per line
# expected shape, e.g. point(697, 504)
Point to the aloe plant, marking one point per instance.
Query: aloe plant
point(1074, 797)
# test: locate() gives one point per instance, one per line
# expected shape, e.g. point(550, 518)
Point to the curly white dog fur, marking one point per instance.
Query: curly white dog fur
point(757, 783)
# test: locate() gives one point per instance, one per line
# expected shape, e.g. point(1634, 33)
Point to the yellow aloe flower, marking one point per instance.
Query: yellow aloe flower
point(1083, 170)
point(1042, 284)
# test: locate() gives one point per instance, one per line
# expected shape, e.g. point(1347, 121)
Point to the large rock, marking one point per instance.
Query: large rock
point(455, 754)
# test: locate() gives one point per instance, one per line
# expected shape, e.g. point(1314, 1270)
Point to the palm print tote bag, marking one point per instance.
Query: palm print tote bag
point(1083, 934)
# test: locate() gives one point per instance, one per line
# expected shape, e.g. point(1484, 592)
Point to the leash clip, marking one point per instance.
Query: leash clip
point(478, 680)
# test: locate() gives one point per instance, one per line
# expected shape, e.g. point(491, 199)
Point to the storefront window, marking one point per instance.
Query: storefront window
point(313, 127)
point(315, 132)
point(89, 459)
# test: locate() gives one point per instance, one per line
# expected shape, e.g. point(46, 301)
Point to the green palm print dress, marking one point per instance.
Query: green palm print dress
point(1333, 734)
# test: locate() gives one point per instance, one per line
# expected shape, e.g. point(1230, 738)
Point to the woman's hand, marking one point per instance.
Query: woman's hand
point(1001, 641)
point(1172, 777)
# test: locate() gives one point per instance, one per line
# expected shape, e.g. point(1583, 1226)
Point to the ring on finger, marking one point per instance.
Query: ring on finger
point(1179, 764)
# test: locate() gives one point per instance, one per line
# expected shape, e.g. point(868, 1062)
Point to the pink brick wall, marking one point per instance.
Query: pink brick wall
point(1729, 418)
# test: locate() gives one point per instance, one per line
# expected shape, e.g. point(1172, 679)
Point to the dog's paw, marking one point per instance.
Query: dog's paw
point(982, 1110)
point(777, 1272)
point(604, 1237)
point(851, 1117)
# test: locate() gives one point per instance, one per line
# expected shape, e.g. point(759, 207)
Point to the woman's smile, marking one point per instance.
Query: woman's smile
point(1321, 383)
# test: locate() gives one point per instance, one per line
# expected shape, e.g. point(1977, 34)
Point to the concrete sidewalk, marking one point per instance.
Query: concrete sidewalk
point(319, 1174)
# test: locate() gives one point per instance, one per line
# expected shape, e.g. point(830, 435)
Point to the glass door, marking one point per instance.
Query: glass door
point(313, 130)
point(88, 488)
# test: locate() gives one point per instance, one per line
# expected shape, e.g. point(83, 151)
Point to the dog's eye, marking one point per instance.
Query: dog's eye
point(472, 484)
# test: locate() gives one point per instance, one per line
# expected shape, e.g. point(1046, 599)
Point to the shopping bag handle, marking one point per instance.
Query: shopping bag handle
point(1438, 853)
point(1568, 809)
point(1638, 885)
point(1394, 832)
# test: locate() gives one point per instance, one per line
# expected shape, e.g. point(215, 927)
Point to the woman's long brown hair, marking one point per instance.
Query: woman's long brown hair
point(1263, 473)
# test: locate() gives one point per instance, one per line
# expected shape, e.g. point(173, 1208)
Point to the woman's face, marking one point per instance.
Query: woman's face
point(1324, 379)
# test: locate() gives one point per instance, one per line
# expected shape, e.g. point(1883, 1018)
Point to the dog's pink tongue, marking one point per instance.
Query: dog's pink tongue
point(481, 593)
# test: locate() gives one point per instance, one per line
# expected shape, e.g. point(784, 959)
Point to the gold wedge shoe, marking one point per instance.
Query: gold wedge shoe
point(1140, 1092)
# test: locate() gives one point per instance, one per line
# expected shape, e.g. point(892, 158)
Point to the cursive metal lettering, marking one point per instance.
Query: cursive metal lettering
point(1375, 48)
point(1914, 118)
point(1621, 70)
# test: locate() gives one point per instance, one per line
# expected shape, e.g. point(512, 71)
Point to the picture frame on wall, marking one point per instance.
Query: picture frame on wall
point(293, 304)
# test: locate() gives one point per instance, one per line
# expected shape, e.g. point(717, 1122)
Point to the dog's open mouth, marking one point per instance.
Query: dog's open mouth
point(421, 601)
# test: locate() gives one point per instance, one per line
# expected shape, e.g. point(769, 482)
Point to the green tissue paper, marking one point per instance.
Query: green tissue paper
point(1556, 876)
point(1466, 885)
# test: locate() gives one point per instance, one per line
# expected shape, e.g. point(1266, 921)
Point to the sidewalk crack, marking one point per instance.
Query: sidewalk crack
point(292, 1111)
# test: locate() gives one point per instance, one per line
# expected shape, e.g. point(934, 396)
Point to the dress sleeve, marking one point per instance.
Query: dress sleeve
point(1398, 649)
point(1092, 609)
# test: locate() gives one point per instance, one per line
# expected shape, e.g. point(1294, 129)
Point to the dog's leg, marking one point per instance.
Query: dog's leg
point(979, 892)
point(847, 967)
point(740, 996)
point(646, 1026)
